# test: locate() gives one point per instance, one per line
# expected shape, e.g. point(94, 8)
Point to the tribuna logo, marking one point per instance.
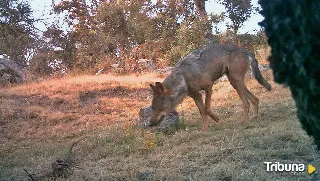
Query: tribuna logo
point(284, 167)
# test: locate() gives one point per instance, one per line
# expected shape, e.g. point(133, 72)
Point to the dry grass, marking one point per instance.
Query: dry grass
point(39, 122)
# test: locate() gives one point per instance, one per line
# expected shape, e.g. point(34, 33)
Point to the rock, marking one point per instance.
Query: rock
point(263, 67)
point(115, 65)
point(146, 64)
point(165, 71)
point(170, 121)
point(10, 72)
point(148, 175)
point(100, 71)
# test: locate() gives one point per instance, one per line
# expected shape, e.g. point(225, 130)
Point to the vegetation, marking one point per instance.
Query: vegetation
point(16, 30)
point(295, 56)
point(131, 37)
point(238, 11)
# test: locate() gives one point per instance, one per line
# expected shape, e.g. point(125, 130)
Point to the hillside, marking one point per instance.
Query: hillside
point(39, 123)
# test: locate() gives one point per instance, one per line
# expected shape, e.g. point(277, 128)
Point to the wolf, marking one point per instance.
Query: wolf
point(198, 71)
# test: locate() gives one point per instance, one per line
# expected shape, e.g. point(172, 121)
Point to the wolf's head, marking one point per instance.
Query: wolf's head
point(161, 103)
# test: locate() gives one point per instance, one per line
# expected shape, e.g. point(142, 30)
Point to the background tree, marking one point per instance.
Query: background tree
point(79, 16)
point(122, 33)
point(238, 11)
point(200, 5)
point(216, 19)
point(107, 32)
point(189, 29)
point(104, 33)
point(17, 31)
point(55, 53)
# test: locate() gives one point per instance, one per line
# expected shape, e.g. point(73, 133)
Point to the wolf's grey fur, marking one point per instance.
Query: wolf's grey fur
point(198, 71)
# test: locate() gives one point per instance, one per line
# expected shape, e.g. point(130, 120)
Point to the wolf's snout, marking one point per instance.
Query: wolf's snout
point(155, 122)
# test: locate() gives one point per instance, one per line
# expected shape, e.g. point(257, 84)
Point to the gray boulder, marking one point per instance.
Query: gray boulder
point(10, 72)
point(170, 121)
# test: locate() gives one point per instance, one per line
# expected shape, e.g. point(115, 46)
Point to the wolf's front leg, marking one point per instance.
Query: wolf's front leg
point(197, 97)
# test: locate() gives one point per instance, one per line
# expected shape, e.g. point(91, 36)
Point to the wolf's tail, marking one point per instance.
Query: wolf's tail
point(257, 74)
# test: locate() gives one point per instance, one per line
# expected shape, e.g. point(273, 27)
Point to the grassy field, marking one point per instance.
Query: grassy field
point(39, 123)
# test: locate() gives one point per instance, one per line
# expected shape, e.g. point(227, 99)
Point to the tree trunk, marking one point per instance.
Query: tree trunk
point(200, 5)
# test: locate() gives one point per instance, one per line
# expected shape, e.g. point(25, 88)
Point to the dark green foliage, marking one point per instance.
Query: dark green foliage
point(293, 31)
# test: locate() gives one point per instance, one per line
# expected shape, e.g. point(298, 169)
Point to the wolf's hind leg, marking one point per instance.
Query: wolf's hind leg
point(254, 100)
point(240, 88)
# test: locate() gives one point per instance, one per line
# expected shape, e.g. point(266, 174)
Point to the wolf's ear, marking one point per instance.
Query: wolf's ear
point(159, 87)
point(162, 90)
point(153, 88)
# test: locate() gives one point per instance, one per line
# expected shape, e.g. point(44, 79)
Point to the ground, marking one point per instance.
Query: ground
point(97, 115)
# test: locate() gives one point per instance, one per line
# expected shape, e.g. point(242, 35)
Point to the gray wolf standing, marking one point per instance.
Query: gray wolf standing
point(198, 71)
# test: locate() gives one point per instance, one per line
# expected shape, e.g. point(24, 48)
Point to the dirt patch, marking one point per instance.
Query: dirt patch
point(88, 98)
